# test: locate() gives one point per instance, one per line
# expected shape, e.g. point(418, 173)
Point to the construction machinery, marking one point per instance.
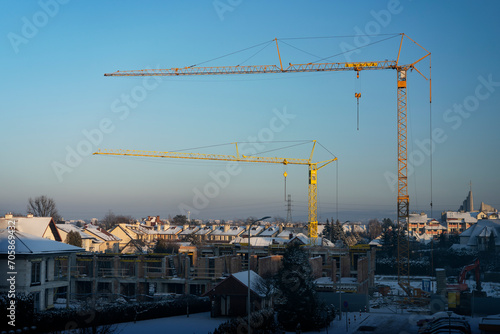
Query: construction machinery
point(459, 294)
point(401, 84)
point(313, 171)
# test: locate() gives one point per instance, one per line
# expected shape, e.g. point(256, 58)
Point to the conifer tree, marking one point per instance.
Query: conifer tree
point(296, 301)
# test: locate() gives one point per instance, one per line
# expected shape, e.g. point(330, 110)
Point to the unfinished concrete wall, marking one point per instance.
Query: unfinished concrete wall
point(345, 266)
point(270, 265)
point(316, 264)
point(254, 263)
point(235, 264)
point(363, 277)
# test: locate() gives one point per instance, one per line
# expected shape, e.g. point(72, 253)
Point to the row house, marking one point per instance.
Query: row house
point(254, 231)
point(226, 233)
point(88, 241)
point(169, 232)
point(105, 240)
point(188, 231)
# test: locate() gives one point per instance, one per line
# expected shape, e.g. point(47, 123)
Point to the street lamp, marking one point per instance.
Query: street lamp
point(248, 297)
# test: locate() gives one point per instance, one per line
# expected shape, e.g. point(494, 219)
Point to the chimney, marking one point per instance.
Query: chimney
point(248, 229)
point(290, 236)
point(226, 227)
point(280, 228)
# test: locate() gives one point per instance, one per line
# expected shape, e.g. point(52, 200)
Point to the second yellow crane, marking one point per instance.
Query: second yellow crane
point(313, 171)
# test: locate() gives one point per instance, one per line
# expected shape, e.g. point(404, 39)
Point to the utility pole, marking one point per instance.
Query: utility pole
point(289, 209)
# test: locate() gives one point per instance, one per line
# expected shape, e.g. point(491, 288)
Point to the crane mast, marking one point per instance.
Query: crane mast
point(402, 184)
point(312, 166)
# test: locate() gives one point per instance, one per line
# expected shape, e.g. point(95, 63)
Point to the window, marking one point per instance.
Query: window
point(36, 267)
point(46, 270)
point(36, 301)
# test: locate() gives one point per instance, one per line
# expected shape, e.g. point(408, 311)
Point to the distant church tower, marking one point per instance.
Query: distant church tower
point(468, 204)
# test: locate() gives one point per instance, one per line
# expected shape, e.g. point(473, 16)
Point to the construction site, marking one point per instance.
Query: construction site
point(212, 118)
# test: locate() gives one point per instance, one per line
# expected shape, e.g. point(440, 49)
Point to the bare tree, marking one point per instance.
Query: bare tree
point(111, 220)
point(43, 206)
point(374, 228)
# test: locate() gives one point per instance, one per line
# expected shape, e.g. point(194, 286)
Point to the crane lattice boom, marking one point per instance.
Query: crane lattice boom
point(313, 169)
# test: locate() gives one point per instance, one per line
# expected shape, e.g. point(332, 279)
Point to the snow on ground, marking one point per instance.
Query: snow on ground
point(384, 317)
point(196, 323)
point(492, 289)
point(383, 321)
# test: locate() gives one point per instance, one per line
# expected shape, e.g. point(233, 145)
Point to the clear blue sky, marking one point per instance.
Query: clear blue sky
point(54, 54)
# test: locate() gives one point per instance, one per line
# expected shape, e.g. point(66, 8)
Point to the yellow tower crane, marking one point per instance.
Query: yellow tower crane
point(401, 69)
point(313, 171)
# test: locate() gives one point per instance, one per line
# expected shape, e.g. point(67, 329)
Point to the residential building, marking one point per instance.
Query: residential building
point(229, 297)
point(42, 267)
point(226, 233)
point(457, 222)
point(43, 227)
point(105, 240)
point(419, 223)
point(89, 242)
point(478, 235)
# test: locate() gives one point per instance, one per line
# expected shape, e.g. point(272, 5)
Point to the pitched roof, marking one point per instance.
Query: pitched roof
point(255, 280)
point(72, 228)
point(260, 241)
point(190, 230)
point(32, 225)
point(270, 231)
point(483, 228)
point(101, 233)
point(30, 244)
point(233, 230)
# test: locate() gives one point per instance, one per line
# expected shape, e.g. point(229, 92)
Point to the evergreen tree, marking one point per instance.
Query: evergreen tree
point(296, 301)
point(387, 224)
point(74, 238)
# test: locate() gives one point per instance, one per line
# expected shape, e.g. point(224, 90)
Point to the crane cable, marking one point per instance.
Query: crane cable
point(266, 43)
point(430, 128)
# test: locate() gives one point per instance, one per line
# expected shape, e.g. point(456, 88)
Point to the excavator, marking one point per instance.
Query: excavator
point(459, 296)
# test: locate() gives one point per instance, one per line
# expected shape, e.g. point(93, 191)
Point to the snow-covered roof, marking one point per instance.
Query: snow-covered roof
point(203, 230)
point(483, 228)
point(172, 230)
point(30, 244)
point(32, 225)
point(233, 230)
point(435, 227)
point(190, 230)
point(260, 241)
point(423, 238)
point(255, 280)
point(286, 234)
point(254, 230)
point(376, 242)
point(72, 228)
point(101, 233)
point(269, 232)
point(309, 241)
point(466, 216)
point(417, 217)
